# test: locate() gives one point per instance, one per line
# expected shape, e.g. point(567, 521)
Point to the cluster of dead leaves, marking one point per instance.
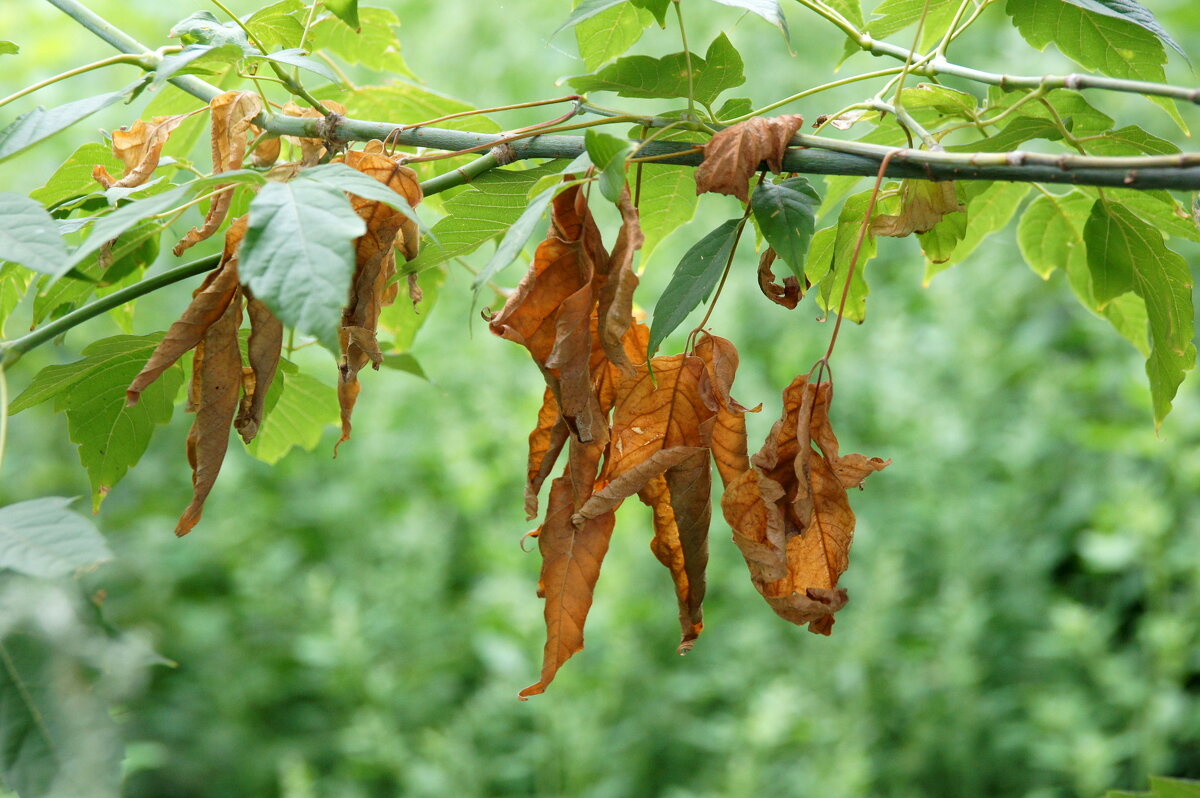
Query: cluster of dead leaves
point(632, 427)
point(228, 388)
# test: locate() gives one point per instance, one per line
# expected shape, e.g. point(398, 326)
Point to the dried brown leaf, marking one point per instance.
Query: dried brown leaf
point(615, 310)
point(789, 294)
point(735, 153)
point(263, 350)
point(139, 147)
point(726, 431)
point(922, 205)
point(232, 113)
point(545, 443)
point(266, 152)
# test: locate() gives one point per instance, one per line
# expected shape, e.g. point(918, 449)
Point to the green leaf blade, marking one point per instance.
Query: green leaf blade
point(39, 124)
point(45, 538)
point(693, 281)
point(28, 235)
point(786, 214)
point(770, 10)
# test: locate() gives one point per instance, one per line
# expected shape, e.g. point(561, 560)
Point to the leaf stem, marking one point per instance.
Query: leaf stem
point(687, 58)
point(145, 61)
point(480, 111)
point(814, 90)
point(3, 414)
point(249, 34)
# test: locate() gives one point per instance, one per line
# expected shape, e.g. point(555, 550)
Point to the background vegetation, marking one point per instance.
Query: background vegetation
point(1024, 591)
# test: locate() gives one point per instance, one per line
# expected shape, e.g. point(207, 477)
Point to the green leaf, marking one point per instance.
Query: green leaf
point(197, 59)
point(8, 48)
point(352, 181)
point(44, 538)
point(1014, 134)
point(767, 9)
point(485, 210)
point(990, 207)
point(668, 201)
point(204, 28)
point(893, 16)
point(667, 77)
point(942, 99)
point(1080, 116)
point(301, 409)
point(299, 58)
point(786, 214)
point(1157, 208)
point(516, 237)
point(1130, 11)
point(73, 178)
point(28, 235)
point(408, 104)
point(733, 108)
point(375, 46)
point(33, 126)
point(1125, 253)
point(608, 153)
point(298, 254)
point(13, 284)
point(276, 26)
point(656, 7)
point(346, 11)
point(829, 257)
point(1129, 140)
point(1163, 787)
point(610, 33)
point(586, 10)
point(404, 361)
point(694, 279)
point(111, 437)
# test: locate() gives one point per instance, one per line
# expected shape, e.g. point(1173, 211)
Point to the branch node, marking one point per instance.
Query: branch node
point(504, 154)
point(1072, 81)
point(1130, 177)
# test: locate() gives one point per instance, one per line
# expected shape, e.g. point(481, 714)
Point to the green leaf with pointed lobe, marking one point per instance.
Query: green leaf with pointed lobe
point(73, 178)
point(990, 207)
point(786, 214)
point(299, 408)
point(111, 437)
point(770, 10)
point(28, 235)
point(1127, 254)
point(609, 34)
point(45, 538)
point(276, 25)
point(609, 154)
point(656, 7)
point(1130, 11)
point(667, 77)
point(346, 11)
point(585, 10)
point(693, 281)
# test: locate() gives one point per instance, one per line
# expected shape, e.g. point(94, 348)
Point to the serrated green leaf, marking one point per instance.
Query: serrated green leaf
point(45, 538)
point(73, 178)
point(376, 46)
point(893, 16)
point(111, 437)
point(609, 154)
point(299, 58)
point(8, 48)
point(13, 284)
point(786, 214)
point(733, 108)
point(693, 281)
point(769, 10)
point(203, 27)
point(1130, 11)
point(403, 320)
point(1129, 140)
point(515, 237)
point(299, 414)
point(990, 207)
point(298, 254)
point(829, 256)
point(668, 201)
point(352, 181)
point(485, 210)
point(658, 8)
point(1127, 254)
point(346, 11)
point(276, 26)
point(34, 126)
point(28, 235)
point(610, 33)
point(1155, 207)
point(942, 99)
point(667, 77)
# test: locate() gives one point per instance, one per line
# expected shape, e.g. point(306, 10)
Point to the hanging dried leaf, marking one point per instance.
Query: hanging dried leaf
point(216, 383)
point(139, 147)
point(790, 513)
point(545, 443)
point(232, 113)
point(726, 431)
point(209, 302)
point(735, 153)
point(266, 152)
point(616, 296)
point(264, 349)
point(922, 205)
point(669, 551)
point(789, 294)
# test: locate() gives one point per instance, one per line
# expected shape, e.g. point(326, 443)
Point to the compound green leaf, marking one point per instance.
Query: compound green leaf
point(786, 214)
point(1129, 140)
point(45, 538)
point(667, 77)
point(375, 46)
point(893, 16)
point(276, 25)
point(296, 415)
point(694, 279)
point(28, 235)
point(1127, 254)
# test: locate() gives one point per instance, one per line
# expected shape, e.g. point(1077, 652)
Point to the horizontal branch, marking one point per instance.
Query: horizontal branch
point(818, 154)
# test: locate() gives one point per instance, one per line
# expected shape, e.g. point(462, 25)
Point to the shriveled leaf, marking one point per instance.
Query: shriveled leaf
point(615, 301)
point(669, 551)
point(263, 353)
point(788, 294)
point(45, 538)
point(786, 214)
point(990, 207)
point(139, 147)
point(922, 205)
point(545, 443)
point(694, 279)
point(28, 235)
point(735, 153)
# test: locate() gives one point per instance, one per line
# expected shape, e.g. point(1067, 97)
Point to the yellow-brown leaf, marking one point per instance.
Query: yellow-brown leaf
point(139, 147)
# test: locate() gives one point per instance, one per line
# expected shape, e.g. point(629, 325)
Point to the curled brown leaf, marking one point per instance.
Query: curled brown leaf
point(922, 205)
point(734, 154)
point(139, 147)
point(789, 294)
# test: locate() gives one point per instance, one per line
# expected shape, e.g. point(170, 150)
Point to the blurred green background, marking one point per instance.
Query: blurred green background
point(1025, 582)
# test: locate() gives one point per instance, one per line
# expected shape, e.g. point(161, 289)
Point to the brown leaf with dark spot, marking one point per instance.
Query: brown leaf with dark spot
point(922, 205)
point(790, 513)
point(232, 113)
point(735, 153)
point(571, 559)
point(139, 147)
point(789, 294)
point(216, 384)
point(209, 302)
point(264, 349)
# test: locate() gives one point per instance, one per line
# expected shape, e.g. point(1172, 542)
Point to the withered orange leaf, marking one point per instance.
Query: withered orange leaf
point(139, 147)
point(263, 350)
point(232, 113)
point(734, 154)
point(726, 431)
point(657, 424)
point(216, 384)
point(789, 294)
point(571, 559)
point(667, 548)
point(689, 485)
point(615, 310)
point(266, 152)
point(209, 302)
point(545, 443)
point(922, 205)
point(790, 513)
